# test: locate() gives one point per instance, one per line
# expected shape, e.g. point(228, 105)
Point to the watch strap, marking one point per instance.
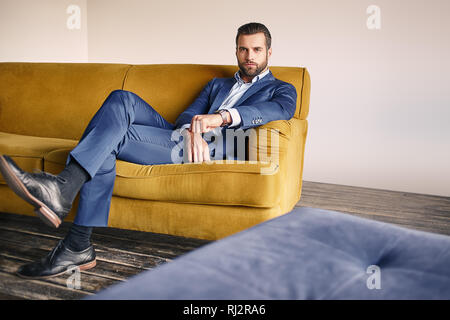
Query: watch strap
point(222, 113)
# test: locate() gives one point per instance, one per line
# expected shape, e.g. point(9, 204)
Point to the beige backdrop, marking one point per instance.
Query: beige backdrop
point(380, 99)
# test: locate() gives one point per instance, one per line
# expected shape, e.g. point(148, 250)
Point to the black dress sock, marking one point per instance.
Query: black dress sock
point(78, 238)
point(71, 179)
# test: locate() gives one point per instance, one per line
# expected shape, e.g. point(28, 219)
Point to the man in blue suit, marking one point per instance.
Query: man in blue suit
point(129, 129)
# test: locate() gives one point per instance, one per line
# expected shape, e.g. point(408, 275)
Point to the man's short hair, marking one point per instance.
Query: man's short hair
point(252, 28)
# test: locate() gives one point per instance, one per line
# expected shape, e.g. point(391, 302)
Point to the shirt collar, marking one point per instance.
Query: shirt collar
point(238, 78)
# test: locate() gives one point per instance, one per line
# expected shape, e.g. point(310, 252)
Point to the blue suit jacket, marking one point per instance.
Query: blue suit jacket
point(266, 100)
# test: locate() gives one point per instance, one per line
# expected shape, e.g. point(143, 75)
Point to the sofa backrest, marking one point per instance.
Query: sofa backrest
point(54, 99)
point(58, 99)
point(175, 86)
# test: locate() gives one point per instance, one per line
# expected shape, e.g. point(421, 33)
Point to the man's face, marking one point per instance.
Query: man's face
point(252, 55)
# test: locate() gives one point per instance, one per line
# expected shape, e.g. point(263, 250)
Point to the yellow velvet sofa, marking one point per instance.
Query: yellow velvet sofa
point(45, 107)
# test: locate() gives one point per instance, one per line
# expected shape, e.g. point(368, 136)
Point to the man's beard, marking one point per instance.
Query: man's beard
point(251, 73)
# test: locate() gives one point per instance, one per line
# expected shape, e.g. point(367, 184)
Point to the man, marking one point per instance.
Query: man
point(127, 128)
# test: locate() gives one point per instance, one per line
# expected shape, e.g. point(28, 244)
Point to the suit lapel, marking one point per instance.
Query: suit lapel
point(229, 83)
point(223, 92)
point(254, 88)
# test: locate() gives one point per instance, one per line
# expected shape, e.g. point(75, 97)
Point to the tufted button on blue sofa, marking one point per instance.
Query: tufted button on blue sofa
point(305, 254)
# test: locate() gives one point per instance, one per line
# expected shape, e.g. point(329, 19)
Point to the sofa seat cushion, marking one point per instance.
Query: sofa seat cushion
point(216, 182)
point(28, 151)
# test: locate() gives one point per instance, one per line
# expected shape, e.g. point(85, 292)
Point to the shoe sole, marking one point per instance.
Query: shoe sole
point(45, 213)
point(86, 266)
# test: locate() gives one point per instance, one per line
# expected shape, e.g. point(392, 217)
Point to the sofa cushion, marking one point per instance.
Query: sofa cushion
point(28, 151)
point(216, 182)
point(54, 99)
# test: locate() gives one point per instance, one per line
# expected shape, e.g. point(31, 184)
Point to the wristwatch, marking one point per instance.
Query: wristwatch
point(223, 114)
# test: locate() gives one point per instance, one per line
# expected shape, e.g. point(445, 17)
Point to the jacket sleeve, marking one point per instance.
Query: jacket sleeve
point(280, 107)
point(199, 106)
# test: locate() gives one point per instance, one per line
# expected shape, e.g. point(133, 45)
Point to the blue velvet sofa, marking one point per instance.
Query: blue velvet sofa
point(305, 254)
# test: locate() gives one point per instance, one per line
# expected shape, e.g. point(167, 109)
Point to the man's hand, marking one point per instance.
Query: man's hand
point(197, 148)
point(206, 122)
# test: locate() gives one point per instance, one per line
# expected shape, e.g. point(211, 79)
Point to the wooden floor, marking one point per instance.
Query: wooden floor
point(123, 253)
point(410, 210)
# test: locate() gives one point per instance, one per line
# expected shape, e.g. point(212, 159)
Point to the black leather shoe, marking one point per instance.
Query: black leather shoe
point(39, 189)
point(57, 262)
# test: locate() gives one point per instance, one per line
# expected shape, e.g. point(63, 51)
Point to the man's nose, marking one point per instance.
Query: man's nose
point(250, 55)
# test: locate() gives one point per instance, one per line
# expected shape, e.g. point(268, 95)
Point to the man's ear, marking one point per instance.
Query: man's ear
point(269, 52)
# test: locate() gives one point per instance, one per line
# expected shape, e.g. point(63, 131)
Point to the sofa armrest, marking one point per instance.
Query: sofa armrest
point(271, 141)
point(282, 143)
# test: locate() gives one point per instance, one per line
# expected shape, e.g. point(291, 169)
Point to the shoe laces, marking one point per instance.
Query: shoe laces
point(53, 252)
point(38, 171)
point(48, 175)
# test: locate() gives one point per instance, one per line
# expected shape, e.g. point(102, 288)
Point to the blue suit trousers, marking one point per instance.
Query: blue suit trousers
point(125, 128)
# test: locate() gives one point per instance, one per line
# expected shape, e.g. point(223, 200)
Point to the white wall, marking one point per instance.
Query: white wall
point(380, 99)
point(36, 30)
